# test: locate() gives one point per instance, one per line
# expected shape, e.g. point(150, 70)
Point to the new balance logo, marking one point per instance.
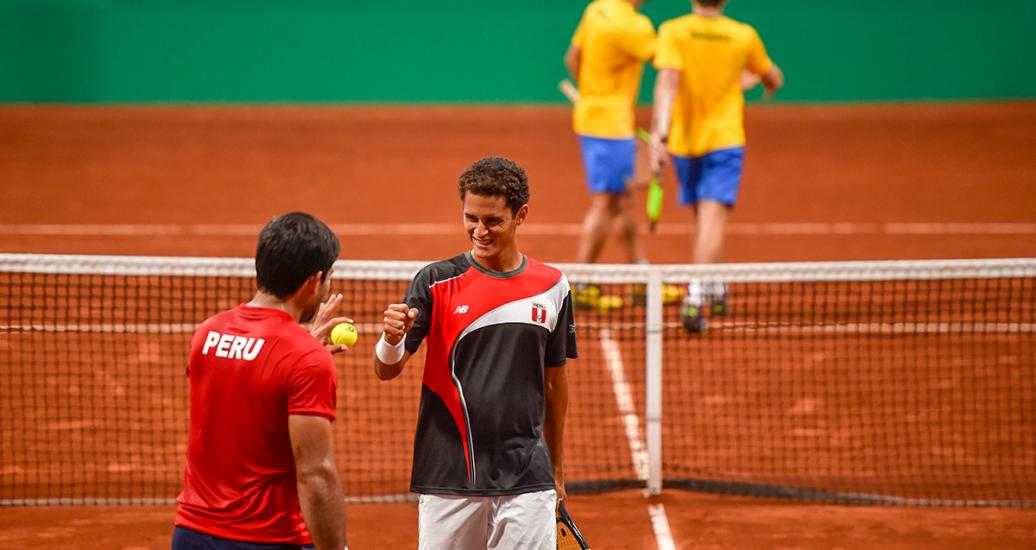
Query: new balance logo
point(461, 309)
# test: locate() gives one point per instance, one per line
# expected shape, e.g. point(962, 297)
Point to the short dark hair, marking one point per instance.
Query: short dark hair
point(711, 3)
point(292, 248)
point(496, 177)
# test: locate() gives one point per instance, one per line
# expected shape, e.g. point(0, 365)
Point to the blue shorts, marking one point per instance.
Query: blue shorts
point(714, 176)
point(608, 163)
point(189, 539)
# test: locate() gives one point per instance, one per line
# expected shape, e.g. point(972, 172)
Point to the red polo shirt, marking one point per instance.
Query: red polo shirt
point(249, 368)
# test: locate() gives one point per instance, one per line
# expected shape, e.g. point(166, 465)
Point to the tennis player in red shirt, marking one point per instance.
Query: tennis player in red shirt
point(261, 470)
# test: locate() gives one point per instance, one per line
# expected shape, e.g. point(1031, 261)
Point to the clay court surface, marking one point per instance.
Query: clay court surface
point(821, 183)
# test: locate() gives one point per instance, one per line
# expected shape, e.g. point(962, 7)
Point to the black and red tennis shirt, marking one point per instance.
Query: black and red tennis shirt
point(491, 336)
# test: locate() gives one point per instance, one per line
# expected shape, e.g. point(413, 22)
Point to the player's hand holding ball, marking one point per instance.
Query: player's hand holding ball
point(324, 321)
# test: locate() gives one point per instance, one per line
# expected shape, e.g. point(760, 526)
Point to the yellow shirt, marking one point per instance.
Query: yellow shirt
point(710, 52)
point(615, 41)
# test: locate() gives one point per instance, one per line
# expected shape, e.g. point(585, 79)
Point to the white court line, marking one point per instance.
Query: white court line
point(624, 399)
point(532, 229)
point(634, 437)
point(660, 524)
point(959, 228)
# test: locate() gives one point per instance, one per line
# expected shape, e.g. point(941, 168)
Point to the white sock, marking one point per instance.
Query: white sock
point(717, 291)
point(695, 293)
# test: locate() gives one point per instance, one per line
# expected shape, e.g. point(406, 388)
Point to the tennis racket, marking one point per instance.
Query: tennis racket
point(569, 90)
point(569, 537)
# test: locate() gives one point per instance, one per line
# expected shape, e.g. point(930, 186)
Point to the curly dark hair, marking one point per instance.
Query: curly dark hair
point(496, 177)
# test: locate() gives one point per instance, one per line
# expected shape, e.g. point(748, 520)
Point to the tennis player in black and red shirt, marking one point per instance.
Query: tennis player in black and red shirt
point(488, 460)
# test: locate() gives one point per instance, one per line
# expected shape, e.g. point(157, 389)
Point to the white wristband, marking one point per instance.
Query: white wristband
point(387, 353)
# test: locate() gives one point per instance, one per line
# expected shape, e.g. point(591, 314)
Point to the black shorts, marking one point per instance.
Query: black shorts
point(189, 539)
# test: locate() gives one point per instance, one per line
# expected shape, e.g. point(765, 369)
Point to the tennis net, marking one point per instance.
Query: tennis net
point(854, 382)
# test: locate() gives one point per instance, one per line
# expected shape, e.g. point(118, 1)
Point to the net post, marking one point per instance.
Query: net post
point(653, 380)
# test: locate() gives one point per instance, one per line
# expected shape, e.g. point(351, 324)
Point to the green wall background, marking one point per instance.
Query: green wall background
point(498, 51)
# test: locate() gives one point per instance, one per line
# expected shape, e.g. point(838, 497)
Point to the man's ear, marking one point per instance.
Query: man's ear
point(312, 285)
point(519, 217)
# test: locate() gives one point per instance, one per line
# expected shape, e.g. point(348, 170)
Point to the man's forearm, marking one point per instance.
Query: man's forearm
point(773, 79)
point(554, 421)
point(389, 358)
point(323, 507)
point(664, 96)
point(554, 435)
point(572, 59)
point(387, 372)
point(573, 70)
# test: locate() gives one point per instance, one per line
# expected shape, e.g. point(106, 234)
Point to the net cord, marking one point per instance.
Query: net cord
point(602, 273)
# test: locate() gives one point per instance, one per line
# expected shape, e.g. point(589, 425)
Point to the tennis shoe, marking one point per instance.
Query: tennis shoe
point(718, 307)
point(691, 317)
point(586, 296)
point(607, 302)
point(671, 294)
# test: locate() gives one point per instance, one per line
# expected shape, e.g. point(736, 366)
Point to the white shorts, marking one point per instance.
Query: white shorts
point(520, 522)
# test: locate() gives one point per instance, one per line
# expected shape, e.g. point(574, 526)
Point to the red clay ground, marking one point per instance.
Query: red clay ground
point(821, 183)
point(615, 521)
point(866, 166)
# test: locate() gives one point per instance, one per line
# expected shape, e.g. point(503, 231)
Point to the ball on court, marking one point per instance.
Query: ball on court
point(343, 334)
point(609, 301)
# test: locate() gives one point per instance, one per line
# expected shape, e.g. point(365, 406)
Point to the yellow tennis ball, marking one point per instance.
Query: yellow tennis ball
point(343, 333)
point(609, 301)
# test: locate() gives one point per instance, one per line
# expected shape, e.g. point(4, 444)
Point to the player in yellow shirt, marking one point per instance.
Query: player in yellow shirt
point(606, 59)
point(705, 59)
